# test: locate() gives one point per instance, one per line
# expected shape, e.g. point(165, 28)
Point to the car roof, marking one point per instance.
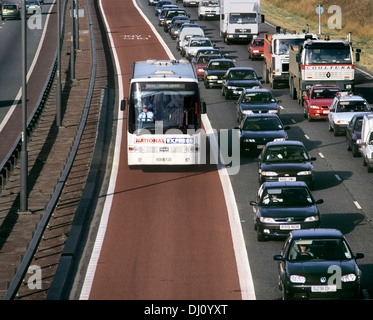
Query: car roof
point(257, 90)
point(286, 142)
point(262, 115)
point(241, 68)
point(346, 97)
point(280, 184)
point(324, 233)
point(222, 60)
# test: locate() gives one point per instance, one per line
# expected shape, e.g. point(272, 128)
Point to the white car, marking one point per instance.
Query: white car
point(191, 3)
point(195, 44)
point(343, 108)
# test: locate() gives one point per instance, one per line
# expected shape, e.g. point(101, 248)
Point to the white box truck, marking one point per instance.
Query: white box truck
point(239, 20)
point(366, 143)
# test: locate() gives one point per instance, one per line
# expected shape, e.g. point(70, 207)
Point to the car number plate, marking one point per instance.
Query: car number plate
point(325, 112)
point(287, 179)
point(289, 226)
point(163, 159)
point(220, 81)
point(329, 288)
point(242, 36)
point(260, 146)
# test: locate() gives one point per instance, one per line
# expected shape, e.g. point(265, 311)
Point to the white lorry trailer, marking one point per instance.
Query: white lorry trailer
point(366, 142)
point(239, 20)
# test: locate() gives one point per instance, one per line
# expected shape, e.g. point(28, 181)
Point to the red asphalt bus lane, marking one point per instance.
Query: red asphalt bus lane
point(168, 233)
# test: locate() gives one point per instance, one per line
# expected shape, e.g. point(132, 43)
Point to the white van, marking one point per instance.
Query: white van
point(366, 143)
point(187, 31)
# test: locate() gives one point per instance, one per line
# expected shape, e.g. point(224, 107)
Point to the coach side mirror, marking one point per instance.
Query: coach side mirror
point(262, 18)
point(204, 107)
point(123, 105)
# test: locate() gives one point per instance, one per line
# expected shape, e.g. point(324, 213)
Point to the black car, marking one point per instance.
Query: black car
point(318, 264)
point(215, 71)
point(237, 79)
point(286, 161)
point(210, 51)
point(160, 4)
point(284, 206)
point(353, 133)
point(175, 26)
point(256, 101)
point(257, 129)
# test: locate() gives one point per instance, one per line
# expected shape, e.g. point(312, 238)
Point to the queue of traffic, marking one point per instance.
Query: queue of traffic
point(284, 206)
point(12, 11)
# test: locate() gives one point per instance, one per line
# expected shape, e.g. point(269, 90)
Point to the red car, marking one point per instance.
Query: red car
point(317, 101)
point(256, 48)
point(201, 63)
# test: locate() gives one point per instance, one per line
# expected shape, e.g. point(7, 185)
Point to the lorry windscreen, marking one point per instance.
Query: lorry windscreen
point(328, 55)
point(242, 18)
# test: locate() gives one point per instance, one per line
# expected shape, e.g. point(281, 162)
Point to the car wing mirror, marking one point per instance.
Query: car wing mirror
point(123, 105)
point(320, 201)
point(313, 158)
point(253, 203)
point(278, 257)
point(359, 255)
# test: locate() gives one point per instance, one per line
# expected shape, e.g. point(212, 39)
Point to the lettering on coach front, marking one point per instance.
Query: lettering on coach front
point(192, 309)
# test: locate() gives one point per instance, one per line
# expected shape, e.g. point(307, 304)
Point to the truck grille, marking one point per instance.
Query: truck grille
point(242, 30)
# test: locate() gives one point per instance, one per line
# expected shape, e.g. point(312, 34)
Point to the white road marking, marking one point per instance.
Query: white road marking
point(357, 205)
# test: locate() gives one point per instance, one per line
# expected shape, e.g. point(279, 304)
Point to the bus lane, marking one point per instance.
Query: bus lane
point(167, 234)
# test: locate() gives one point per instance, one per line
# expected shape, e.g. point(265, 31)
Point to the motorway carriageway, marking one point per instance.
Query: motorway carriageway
point(163, 235)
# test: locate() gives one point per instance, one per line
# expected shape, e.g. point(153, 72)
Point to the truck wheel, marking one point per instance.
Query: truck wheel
point(274, 84)
point(293, 93)
point(355, 151)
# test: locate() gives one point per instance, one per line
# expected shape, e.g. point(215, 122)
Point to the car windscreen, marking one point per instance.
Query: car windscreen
point(352, 106)
point(285, 154)
point(262, 124)
point(220, 65)
point(286, 196)
point(257, 97)
point(242, 75)
point(324, 93)
point(319, 249)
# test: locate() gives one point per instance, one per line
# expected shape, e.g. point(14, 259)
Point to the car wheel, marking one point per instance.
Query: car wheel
point(355, 151)
point(348, 145)
point(284, 294)
point(330, 127)
point(259, 235)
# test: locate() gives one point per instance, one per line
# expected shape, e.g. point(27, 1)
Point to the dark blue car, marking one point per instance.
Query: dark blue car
point(237, 79)
point(256, 101)
point(257, 129)
point(284, 206)
point(318, 264)
point(286, 161)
